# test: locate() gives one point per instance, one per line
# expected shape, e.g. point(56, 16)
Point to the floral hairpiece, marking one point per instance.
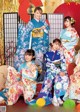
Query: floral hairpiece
point(72, 20)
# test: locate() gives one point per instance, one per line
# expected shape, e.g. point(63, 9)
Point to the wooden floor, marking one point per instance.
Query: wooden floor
point(20, 106)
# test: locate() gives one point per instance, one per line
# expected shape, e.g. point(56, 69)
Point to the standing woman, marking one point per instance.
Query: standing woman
point(34, 35)
point(69, 38)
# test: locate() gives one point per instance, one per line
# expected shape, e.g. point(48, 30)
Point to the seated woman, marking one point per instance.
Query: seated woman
point(56, 76)
point(73, 91)
point(22, 82)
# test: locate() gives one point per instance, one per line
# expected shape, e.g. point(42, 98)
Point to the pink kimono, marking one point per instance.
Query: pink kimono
point(21, 83)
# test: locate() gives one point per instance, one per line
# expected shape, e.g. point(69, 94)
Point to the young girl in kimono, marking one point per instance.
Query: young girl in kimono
point(22, 82)
point(69, 38)
point(35, 33)
point(56, 76)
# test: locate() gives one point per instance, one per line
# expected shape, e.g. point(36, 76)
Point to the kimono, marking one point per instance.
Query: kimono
point(74, 87)
point(31, 36)
point(53, 82)
point(69, 40)
point(73, 91)
point(20, 83)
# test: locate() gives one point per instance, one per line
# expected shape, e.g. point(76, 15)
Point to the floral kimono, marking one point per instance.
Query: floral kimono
point(73, 91)
point(21, 83)
point(55, 63)
point(69, 40)
point(31, 36)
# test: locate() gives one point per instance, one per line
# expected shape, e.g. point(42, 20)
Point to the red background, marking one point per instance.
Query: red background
point(70, 9)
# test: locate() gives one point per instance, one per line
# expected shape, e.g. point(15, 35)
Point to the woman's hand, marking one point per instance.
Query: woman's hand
point(43, 27)
point(62, 74)
point(33, 67)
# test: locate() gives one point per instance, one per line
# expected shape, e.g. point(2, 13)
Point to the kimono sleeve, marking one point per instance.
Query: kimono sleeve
point(63, 62)
point(46, 24)
point(33, 72)
point(75, 38)
point(61, 33)
point(46, 58)
point(20, 69)
point(48, 62)
point(23, 34)
point(29, 27)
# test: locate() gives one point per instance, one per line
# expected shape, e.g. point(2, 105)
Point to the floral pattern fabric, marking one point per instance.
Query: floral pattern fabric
point(73, 91)
point(21, 83)
point(39, 44)
point(53, 79)
point(69, 40)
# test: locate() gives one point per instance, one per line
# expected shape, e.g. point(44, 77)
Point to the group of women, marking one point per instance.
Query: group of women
point(38, 29)
point(35, 36)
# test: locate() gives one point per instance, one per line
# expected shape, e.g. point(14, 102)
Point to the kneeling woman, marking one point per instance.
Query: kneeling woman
point(56, 75)
point(22, 82)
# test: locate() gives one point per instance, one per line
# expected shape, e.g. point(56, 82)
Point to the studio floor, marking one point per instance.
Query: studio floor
point(20, 106)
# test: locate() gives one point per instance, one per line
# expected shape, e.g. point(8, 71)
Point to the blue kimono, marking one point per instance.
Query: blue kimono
point(39, 44)
point(69, 38)
point(55, 63)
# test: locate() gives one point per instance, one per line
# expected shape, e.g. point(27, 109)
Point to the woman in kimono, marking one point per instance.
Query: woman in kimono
point(73, 91)
point(35, 36)
point(69, 38)
point(56, 76)
point(22, 82)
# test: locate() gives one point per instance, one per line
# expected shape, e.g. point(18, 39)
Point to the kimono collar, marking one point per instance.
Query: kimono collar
point(36, 19)
point(69, 29)
point(53, 51)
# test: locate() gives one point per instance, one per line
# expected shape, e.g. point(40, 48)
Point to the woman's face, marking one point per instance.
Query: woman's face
point(28, 58)
point(37, 15)
point(56, 46)
point(67, 23)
